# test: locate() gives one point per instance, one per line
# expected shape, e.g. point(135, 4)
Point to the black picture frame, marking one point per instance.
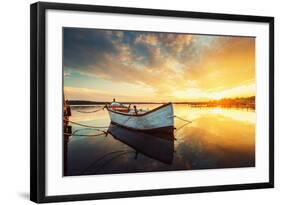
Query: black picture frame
point(38, 103)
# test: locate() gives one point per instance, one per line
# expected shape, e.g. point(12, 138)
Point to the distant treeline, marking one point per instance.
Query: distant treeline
point(241, 102)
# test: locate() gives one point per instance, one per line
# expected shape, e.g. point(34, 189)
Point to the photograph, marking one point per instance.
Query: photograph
point(149, 101)
point(140, 101)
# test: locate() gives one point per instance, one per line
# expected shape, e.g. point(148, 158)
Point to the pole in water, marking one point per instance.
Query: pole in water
point(135, 108)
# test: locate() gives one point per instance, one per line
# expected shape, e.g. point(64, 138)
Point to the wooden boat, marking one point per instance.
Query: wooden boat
point(162, 116)
point(158, 146)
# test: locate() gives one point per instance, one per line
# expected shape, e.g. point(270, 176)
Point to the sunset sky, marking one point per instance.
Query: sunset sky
point(100, 65)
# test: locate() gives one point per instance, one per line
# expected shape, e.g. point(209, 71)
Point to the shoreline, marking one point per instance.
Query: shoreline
point(190, 105)
point(243, 102)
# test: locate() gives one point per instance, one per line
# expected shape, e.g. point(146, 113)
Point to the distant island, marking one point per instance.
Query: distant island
point(239, 102)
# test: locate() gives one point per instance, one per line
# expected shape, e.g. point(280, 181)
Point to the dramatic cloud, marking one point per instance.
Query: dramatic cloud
point(160, 66)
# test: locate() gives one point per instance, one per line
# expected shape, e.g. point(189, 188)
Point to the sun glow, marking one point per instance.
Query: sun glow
point(200, 95)
point(100, 65)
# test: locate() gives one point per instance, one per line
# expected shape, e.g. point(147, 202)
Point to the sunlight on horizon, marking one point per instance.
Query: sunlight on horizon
point(132, 66)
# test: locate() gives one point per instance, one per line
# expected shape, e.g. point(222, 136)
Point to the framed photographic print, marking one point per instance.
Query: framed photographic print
point(129, 102)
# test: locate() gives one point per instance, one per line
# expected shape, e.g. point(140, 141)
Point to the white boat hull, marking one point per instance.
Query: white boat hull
point(160, 117)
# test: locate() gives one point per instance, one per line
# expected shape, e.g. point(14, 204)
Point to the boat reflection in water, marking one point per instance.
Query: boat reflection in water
point(156, 143)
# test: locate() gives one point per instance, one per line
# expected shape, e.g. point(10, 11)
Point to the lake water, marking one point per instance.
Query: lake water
point(216, 138)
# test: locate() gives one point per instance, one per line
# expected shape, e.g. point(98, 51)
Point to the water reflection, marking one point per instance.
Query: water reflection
point(157, 144)
point(216, 138)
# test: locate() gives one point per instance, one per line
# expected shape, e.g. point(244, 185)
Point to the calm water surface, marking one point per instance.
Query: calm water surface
point(216, 138)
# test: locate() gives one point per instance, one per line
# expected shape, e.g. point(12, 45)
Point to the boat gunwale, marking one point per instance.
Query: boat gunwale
point(139, 115)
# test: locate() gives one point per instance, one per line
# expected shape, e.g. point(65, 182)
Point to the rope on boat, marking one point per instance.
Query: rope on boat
point(179, 128)
point(87, 128)
point(82, 125)
point(185, 120)
point(92, 111)
point(96, 128)
point(182, 119)
point(84, 135)
point(104, 132)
